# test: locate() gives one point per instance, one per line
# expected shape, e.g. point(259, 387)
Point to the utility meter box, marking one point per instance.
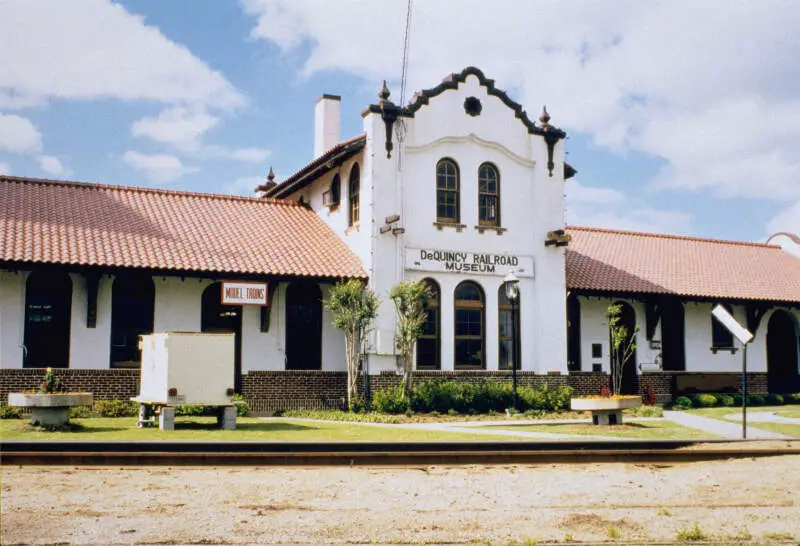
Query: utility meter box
point(187, 368)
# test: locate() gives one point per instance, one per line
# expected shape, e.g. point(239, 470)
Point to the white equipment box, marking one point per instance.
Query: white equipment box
point(187, 368)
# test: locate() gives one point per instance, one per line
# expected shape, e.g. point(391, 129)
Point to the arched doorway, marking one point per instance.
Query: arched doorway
point(782, 349)
point(132, 315)
point(303, 326)
point(48, 306)
point(223, 319)
point(630, 378)
point(573, 333)
point(673, 336)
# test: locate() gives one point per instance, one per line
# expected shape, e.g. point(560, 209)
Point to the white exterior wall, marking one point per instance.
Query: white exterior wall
point(178, 306)
point(531, 204)
point(699, 357)
point(12, 318)
point(90, 348)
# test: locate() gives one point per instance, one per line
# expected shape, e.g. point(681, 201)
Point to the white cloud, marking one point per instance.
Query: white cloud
point(5, 168)
point(90, 49)
point(158, 168)
point(244, 186)
point(52, 165)
point(19, 135)
point(612, 209)
point(787, 221)
point(251, 155)
point(180, 126)
point(711, 87)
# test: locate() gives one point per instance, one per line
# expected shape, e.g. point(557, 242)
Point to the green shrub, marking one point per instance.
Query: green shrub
point(725, 400)
point(80, 412)
point(358, 404)
point(646, 411)
point(773, 399)
point(188, 411)
point(7, 412)
point(116, 408)
point(391, 400)
point(792, 398)
point(755, 400)
point(442, 396)
point(242, 407)
point(682, 402)
point(737, 400)
point(704, 400)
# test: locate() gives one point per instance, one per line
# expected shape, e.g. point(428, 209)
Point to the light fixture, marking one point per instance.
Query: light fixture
point(512, 293)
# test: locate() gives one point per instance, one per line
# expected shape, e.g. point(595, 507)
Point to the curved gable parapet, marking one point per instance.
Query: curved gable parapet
point(452, 81)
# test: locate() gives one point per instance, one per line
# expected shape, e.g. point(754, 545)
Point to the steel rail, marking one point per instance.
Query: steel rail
point(377, 453)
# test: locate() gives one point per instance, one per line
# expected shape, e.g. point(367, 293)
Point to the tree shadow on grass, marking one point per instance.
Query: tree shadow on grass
point(249, 427)
point(69, 427)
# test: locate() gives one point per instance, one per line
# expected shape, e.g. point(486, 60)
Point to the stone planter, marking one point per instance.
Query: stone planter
point(605, 411)
point(50, 410)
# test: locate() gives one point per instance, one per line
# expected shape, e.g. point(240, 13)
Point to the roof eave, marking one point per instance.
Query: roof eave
point(307, 174)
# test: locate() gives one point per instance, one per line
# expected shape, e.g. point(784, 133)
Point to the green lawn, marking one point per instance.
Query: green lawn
point(734, 415)
point(248, 429)
point(664, 430)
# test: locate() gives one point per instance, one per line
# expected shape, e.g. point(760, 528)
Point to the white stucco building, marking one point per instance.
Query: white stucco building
point(457, 188)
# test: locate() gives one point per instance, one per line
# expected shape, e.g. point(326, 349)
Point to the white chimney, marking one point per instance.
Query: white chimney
point(327, 115)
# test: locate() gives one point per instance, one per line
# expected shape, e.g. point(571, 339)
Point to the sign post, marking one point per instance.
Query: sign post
point(744, 336)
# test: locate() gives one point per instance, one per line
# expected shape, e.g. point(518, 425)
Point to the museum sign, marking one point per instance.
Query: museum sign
point(460, 261)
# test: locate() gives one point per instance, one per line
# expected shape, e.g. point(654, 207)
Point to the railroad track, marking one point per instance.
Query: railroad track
point(380, 453)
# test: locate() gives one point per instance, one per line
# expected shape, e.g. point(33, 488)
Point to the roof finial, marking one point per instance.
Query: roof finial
point(270, 175)
point(544, 117)
point(384, 93)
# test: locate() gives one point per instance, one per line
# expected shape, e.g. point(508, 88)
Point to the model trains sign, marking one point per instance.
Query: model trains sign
point(460, 261)
point(244, 293)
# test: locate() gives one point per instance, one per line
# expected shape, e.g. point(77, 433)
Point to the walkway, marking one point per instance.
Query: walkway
point(764, 417)
point(719, 427)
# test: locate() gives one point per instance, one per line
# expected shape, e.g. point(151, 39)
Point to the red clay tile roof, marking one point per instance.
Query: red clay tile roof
point(620, 261)
point(49, 221)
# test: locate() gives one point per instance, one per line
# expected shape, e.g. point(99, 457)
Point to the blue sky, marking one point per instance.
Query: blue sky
point(683, 117)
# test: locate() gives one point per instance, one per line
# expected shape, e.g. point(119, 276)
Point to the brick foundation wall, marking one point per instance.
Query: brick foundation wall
point(269, 391)
point(105, 384)
point(588, 383)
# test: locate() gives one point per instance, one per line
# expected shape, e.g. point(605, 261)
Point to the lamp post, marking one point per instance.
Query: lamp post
point(512, 293)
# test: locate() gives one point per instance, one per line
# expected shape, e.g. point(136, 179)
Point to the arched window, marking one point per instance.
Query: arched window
point(469, 331)
point(488, 195)
point(428, 345)
point(333, 196)
point(508, 317)
point(48, 306)
point(132, 315)
point(447, 191)
point(721, 338)
point(354, 195)
point(223, 319)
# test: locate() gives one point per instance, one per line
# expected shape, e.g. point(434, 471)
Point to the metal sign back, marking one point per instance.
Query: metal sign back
point(733, 326)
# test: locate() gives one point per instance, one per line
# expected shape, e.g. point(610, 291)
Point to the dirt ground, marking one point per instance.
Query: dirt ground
point(749, 499)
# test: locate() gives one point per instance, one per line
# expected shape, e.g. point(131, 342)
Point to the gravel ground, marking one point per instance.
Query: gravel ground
point(755, 498)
